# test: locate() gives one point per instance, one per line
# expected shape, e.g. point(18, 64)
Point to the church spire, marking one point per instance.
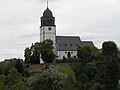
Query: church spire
point(47, 3)
point(47, 19)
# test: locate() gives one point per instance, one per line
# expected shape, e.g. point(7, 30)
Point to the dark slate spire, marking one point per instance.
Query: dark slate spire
point(47, 19)
point(47, 3)
point(47, 13)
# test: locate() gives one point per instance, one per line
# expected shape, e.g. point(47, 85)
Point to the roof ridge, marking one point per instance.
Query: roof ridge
point(67, 36)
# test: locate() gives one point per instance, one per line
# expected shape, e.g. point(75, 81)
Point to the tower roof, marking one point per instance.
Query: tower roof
point(47, 13)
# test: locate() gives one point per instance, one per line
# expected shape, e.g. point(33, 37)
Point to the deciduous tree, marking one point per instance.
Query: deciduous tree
point(48, 79)
point(110, 49)
point(87, 53)
point(46, 49)
point(27, 55)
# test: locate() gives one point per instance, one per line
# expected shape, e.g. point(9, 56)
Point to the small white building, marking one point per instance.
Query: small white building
point(63, 45)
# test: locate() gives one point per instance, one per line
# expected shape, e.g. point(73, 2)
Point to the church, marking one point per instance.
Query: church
point(63, 45)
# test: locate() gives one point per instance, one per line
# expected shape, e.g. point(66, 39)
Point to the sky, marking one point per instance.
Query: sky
point(92, 20)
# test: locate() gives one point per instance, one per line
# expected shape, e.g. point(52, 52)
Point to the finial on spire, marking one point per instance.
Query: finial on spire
point(47, 3)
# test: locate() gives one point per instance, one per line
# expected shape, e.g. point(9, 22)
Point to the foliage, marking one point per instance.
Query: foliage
point(19, 65)
point(87, 53)
point(7, 65)
point(109, 49)
point(87, 74)
point(27, 55)
point(70, 86)
point(69, 73)
point(1, 68)
point(112, 67)
point(96, 86)
point(13, 81)
point(48, 79)
point(38, 50)
point(46, 48)
point(83, 78)
point(35, 53)
point(111, 75)
point(91, 70)
point(12, 63)
point(118, 87)
point(78, 69)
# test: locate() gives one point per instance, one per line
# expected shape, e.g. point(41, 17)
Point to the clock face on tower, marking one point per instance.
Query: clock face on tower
point(49, 28)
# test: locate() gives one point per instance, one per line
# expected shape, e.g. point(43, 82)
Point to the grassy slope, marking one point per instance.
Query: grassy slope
point(39, 67)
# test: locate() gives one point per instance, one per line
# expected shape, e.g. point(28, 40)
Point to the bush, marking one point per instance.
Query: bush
point(48, 79)
point(13, 81)
point(69, 73)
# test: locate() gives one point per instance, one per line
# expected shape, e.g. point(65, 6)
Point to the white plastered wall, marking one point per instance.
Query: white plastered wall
point(45, 33)
point(60, 54)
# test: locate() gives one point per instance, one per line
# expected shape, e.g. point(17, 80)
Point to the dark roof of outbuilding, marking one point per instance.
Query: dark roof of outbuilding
point(70, 43)
point(47, 12)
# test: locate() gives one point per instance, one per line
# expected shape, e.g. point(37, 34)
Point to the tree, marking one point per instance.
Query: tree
point(20, 65)
point(91, 70)
point(39, 50)
point(69, 73)
point(87, 53)
point(71, 78)
point(46, 49)
point(87, 75)
point(32, 54)
point(96, 86)
point(27, 55)
point(48, 79)
point(111, 75)
point(78, 69)
point(13, 81)
point(110, 49)
point(82, 82)
point(112, 67)
point(1, 68)
point(7, 65)
point(35, 50)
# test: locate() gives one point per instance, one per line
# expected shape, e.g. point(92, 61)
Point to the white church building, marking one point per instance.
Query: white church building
point(62, 44)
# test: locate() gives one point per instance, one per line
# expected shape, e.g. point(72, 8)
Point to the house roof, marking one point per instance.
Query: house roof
point(70, 43)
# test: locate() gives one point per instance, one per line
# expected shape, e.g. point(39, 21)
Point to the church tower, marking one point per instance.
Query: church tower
point(48, 27)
